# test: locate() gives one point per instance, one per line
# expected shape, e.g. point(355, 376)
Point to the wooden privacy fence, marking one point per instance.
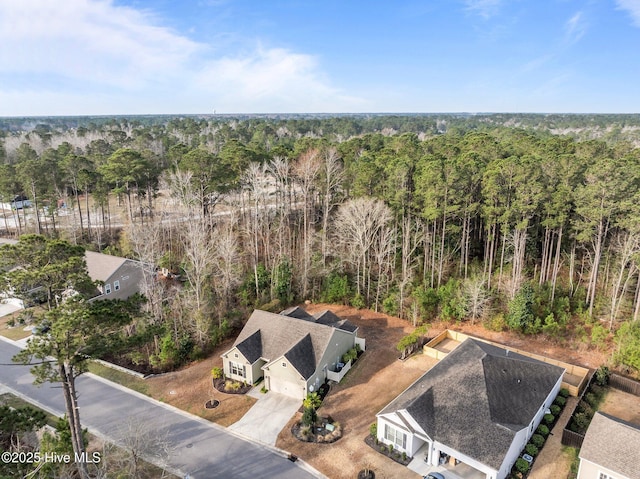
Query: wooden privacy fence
point(624, 384)
point(573, 439)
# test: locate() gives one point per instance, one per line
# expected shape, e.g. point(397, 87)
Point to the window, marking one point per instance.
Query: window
point(107, 288)
point(237, 369)
point(116, 285)
point(395, 437)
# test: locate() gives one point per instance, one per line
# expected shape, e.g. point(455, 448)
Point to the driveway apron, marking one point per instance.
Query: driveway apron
point(266, 418)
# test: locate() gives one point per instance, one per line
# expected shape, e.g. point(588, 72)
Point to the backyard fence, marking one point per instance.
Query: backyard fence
point(624, 384)
point(573, 439)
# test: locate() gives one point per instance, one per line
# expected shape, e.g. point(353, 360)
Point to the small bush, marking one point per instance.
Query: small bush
point(602, 376)
point(564, 392)
point(232, 385)
point(548, 419)
point(543, 430)
point(531, 449)
point(585, 408)
point(309, 416)
point(537, 440)
point(217, 373)
point(555, 410)
point(373, 429)
point(404, 456)
point(560, 401)
point(11, 323)
point(592, 399)
point(582, 421)
point(264, 390)
point(522, 465)
point(390, 448)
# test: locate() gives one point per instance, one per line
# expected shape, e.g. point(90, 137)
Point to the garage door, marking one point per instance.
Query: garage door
point(294, 390)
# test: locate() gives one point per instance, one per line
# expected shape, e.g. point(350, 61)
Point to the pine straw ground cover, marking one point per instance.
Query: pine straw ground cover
point(190, 388)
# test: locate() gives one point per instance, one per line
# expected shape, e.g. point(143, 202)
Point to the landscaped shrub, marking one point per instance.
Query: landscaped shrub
point(373, 429)
point(564, 392)
point(548, 419)
point(531, 449)
point(350, 355)
point(585, 408)
point(537, 440)
point(555, 410)
point(309, 416)
point(217, 373)
point(522, 465)
point(543, 430)
point(592, 399)
point(232, 385)
point(582, 420)
point(602, 376)
point(560, 401)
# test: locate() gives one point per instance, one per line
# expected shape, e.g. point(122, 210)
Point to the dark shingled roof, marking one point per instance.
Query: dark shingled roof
point(331, 319)
point(477, 398)
point(270, 336)
point(613, 444)
point(297, 312)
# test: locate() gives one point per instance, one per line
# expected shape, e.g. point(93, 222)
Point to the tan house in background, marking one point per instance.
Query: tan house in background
point(294, 351)
point(611, 449)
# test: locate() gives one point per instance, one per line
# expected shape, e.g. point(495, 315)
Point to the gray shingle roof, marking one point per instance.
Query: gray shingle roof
point(613, 444)
point(270, 336)
point(477, 398)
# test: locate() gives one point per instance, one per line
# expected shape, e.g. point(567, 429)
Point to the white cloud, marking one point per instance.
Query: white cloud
point(632, 7)
point(92, 56)
point(575, 28)
point(484, 8)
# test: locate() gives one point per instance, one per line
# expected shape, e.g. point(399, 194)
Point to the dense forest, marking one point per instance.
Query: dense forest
point(523, 222)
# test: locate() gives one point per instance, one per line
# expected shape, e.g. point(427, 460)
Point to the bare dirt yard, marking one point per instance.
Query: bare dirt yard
point(376, 379)
point(621, 405)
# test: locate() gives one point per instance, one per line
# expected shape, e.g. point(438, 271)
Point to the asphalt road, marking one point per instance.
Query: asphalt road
point(199, 448)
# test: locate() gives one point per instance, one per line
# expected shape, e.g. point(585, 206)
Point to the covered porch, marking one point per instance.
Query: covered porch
point(448, 468)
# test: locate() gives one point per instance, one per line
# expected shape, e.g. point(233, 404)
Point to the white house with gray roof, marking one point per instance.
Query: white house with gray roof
point(293, 350)
point(611, 449)
point(479, 405)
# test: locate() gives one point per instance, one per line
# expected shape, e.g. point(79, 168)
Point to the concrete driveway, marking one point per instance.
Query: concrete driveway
point(264, 421)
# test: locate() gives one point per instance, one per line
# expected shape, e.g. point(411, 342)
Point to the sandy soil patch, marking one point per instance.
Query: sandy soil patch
point(622, 405)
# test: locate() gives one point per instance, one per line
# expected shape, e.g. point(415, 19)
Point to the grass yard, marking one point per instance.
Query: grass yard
point(127, 380)
point(16, 332)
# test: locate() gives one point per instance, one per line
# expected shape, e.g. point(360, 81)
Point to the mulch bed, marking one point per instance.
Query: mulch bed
point(319, 433)
point(220, 383)
point(384, 450)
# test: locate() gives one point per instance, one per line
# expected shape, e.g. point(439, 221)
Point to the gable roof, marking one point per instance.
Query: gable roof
point(101, 266)
point(271, 336)
point(331, 319)
point(613, 444)
point(298, 313)
point(477, 398)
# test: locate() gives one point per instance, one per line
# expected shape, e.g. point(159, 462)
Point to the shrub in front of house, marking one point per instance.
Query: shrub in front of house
point(522, 465)
point(564, 392)
point(537, 440)
point(560, 401)
point(548, 419)
point(531, 449)
point(555, 410)
point(373, 429)
point(217, 373)
point(543, 430)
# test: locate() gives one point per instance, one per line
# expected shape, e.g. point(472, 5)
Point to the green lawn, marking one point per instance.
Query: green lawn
point(124, 379)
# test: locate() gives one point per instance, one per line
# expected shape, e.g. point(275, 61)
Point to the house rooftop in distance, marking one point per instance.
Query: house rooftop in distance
point(613, 444)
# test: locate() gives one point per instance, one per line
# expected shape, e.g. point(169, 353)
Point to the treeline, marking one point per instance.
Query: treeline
point(520, 229)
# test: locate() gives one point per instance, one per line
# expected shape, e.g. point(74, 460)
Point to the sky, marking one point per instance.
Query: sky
point(116, 57)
